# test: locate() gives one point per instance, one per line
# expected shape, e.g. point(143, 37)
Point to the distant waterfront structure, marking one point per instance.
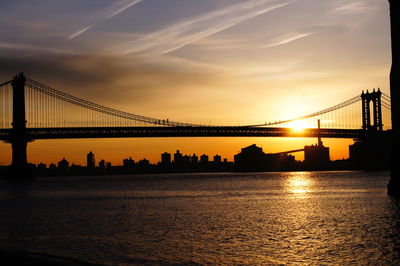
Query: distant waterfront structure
point(186, 160)
point(372, 154)
point(41, 166)
point(356, 154)
point(251, 158)
point(128, 163)
point(64, 164)
point(194, 160)
point(217, 158)
point(178, 157)
point(144, 162)
point(90, 161)
point(316, 156)
point(166, 158)
point(204, 159)
point(102, 164)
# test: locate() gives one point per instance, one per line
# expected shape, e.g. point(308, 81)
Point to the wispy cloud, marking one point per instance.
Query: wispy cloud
point(122, 6)
point(34, 48)
point(286, 38)
point(196, 28)
point(355, 7)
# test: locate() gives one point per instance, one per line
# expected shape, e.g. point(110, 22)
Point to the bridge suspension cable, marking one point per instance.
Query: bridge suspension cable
point(6, 105)
point(386, 102)
point(46, 90)
point(324, 111)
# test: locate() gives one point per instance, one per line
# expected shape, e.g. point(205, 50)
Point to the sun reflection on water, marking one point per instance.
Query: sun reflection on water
point(299, 183)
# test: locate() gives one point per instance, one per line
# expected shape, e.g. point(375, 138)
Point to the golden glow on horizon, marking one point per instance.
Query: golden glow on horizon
point(115, 150)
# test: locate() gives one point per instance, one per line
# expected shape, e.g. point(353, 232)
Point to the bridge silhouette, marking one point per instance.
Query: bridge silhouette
point(31, 110)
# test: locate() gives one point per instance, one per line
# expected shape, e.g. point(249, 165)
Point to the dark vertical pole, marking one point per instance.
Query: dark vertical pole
point(394, 184)
point(20, 169)
point(375, 110)
point(319, 135)
point(378, 106)
point(364, 110)
point(368, 110)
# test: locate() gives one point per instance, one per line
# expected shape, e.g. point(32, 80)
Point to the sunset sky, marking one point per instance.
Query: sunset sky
point(222, 62)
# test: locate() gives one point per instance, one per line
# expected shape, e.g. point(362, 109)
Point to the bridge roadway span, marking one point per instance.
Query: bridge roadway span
point(211, 131)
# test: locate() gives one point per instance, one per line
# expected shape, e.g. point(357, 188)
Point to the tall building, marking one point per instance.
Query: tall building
point(217, 158)
point(204, 159)
point(186, 160)
point(102, 164)
point(166, 158)
point(178, 157)
point(90, 161)
point(194, 159)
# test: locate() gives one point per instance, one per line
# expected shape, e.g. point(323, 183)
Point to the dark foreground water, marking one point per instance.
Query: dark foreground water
point(238, 218)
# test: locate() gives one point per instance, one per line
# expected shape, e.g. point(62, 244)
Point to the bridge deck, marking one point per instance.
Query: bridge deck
point(142, 132)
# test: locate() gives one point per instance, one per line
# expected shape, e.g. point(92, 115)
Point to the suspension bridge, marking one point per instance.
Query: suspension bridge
point(31, 110)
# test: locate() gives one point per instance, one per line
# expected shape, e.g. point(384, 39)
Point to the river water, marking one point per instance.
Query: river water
point(223, 218)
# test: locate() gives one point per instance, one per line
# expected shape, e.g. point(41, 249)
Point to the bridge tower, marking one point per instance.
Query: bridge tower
point(366, 99)
point(19, 168)
point(394, 184)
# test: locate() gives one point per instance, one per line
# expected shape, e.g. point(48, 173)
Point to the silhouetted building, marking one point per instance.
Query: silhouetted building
point(217, 158)
point(178, 157)
point(356, 155)
point(128, 163)
point(279, 162)
point(166, 158)
point(204, 159)
point(102, 164)
point(316, 157)
point(371, 153)
point(194, 160)
point(251, 158)
point(144, 162)
point(63, 164)
point(186, 160)
point(41, 166)
point(90, 161)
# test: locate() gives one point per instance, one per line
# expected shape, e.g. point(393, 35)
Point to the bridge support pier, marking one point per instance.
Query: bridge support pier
point(20, 170)
point(394, 183)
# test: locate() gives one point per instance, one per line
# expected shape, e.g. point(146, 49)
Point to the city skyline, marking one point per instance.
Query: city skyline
point(250, 159)
point(177, 155)
point(214, 62)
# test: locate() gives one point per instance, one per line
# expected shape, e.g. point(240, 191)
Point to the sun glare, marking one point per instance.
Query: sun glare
point(299, 125)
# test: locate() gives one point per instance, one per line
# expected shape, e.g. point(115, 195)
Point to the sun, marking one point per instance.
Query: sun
point(299, 125)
